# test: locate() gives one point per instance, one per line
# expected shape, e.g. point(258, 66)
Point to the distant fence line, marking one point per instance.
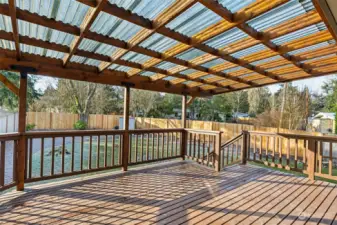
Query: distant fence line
point(65, 121)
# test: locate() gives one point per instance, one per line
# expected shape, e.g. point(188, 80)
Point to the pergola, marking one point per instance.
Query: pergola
point(187, 47)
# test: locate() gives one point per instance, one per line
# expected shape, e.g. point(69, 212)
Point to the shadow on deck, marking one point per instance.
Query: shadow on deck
point(176, 193)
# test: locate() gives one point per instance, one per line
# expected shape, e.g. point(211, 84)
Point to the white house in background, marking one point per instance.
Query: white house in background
point(323, 122)
point(8, 121)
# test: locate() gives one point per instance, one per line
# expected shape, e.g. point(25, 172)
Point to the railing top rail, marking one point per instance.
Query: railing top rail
point(210, 132)
point(72, 133)
point(9, 136)
point(296, 136)
point(232, 140)
point(156, 130)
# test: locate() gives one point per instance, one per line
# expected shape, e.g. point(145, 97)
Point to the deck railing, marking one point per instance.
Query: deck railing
point(231, 151)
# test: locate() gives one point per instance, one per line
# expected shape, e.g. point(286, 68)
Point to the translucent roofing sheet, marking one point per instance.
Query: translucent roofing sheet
point(120, 68)
point(166, 65)
point(188, 71)
point(312, 47)
point(146, 8)
point(41, 51)
point(298, 34)
point(72, 12)
point(279, 15)
point(235, 5)
point(158, 43)
point(190, 54)
point(213, 63)
point(207, 77)
point(226, 38)
point(5, 23)
point(10, 45)
point(97, 47)
point(266, 60)
point(112, 26)
point(232, 69)
point(169, 78)
point(194, 20)
point(147, 73)
point(136, 57)
point(248, 51)
point(321, 57)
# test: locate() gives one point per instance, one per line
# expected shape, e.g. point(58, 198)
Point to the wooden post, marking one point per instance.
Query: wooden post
point(217, 151)
point(126, 146)
point(245, 146)
point(311, 158)
point(183, 125)
point(21, 155)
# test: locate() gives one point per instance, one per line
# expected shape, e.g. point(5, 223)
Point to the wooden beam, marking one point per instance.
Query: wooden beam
point(324, 11)
point(21, 155)
point(85, 27)
point(9, 84)
point(190, 101)
point(12, 13)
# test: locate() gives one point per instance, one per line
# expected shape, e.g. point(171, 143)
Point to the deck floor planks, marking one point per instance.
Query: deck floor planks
point(175, 193)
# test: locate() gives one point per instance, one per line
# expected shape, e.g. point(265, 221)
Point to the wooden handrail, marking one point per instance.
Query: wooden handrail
point(9, 136)
point(210, 132)
point(232, 140)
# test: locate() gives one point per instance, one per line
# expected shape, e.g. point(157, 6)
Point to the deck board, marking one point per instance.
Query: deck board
point(175, 193)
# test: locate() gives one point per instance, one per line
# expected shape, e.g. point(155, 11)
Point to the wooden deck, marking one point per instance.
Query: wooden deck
point(176, 193)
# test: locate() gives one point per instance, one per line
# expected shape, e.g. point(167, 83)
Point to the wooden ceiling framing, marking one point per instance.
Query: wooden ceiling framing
point(286, 68)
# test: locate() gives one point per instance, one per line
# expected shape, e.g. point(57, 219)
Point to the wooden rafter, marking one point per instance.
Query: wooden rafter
point(15, 31)
point(85, 26)
point(9, 84)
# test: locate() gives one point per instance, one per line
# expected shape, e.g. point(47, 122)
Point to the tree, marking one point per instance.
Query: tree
point(143, 102)
point(258, 99)
point(9, 100)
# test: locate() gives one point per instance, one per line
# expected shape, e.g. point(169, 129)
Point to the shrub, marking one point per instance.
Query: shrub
point(30, 126)
point(80, 125)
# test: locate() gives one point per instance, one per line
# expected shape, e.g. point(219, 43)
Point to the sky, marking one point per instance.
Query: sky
point(314, 84)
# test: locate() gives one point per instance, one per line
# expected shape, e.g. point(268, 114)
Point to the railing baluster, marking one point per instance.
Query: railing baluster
point(120, 149)
point(52, 156)
point(147, 146)
point(167, 144)
point(320, 157)
point(260, 152)
point(72, 153)
point(42, 157)
point(208, 148)
point(203, 148)
point(63, 154)
point(106, 151)
point(98, 154)
point(112, 149)
point(142, 147)
point(162, 146)
point(288, 152)
point(136, 149)
point(176, 141)
point(198, 147)
point(190, 145)
point(82, 156)
point(274, 148)
point(171, 141)
point(15, 152)
point(330, 159)
point(254, 156)
point(280, 151)
point(158, 146)
point(2, 163)
point(296, 153)
point(267, 148)
point(90, 152)
point(131, 147)
point(30, 157)
point(152, 153)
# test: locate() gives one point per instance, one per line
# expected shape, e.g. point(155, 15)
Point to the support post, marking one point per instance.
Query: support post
point(245, 146)
point(183, 125)
point(217, 151)
point(125, 157)
point(21, 154)
point(311, 159)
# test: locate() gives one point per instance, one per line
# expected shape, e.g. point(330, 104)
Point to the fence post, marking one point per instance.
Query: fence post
point(245, 146)
point(311, 158)
point(217, 151)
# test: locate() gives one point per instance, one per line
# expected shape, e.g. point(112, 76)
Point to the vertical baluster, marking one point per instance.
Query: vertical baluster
point(288, 152)
point(167, 144)
point(106, 151)
point(280, 151)
point(190, 145)
point(260, 152)
point(171, 141)
point(320, 156)
point(15, 152)
point(136, 151)
point(227, 158)
point(90, 152)
point(214, 146)
point(112, 149)
point(176, 141)
point(72, 153)
point(305, 143)
point(52, 156)
point(208, 148)
point(198, 147)
point(194, 145)
point(147, 147)
point(120, 149)
point(142, 147)
point(131, 147)
point(158, 146)
point(274, 148)
point(30, 157)
point(203, 148)
point(63, 154)
point(42, 157)
point(162, 148)
point(296, 153)
point(330, 159)
point(254, 156)
point(236, 147)
point(152, 153)
point(2, 163)
point(82, 156)
point(267, 148)
point(27, 159)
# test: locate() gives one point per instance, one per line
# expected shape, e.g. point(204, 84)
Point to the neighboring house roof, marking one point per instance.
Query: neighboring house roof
point(325, 115)
point(240, 115)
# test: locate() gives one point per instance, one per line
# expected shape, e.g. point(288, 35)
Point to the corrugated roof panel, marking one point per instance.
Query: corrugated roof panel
point(44, 33)
point(297, 34)
point(41, 51)
point(214, 62)
point(207, 77)
point(7, 44)
point(188, 82)
point(267, 60)
point(194, 20)
point(232, 69)
point(248, 51)
point(119, 68)
point(147, 73)
point(279, 67)
point(78, 59)
point(92, 62)
point(246, 75)
point(190, 54)
point(188, 71)
point(312, 47)
point(146, 8)
point(136, 57)
point(5, 23)
point(72, 12)
point(97, 47)
point(226, 38)
point(235, 5)
point(166, 65)
point(3, 1)
point(168, 78)
point(111, 26)
point(277, 15)
point(321, 57)
point(158, 43)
